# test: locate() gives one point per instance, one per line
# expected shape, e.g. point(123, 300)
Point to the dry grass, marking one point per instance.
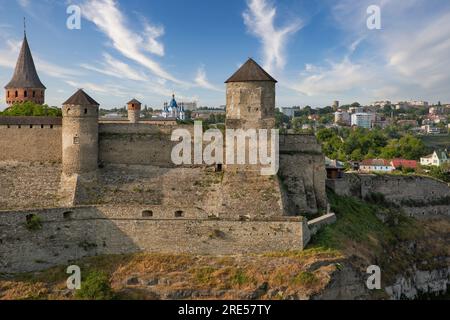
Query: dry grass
point(227, 277)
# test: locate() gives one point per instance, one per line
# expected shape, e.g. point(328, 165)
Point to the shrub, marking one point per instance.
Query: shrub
point(306, 279)
point(33, 223)
point(96, 286)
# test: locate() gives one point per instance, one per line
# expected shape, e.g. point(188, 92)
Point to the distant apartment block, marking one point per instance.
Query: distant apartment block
point(363, 120)
point(430, 129)
point(290, 111)
point(342, 117)
point(381, 104)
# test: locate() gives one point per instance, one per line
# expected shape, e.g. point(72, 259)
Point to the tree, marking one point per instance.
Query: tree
point(32, 109)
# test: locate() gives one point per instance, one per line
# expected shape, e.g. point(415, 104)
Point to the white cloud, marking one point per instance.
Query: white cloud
point(116, 68)
point(106, 15)
point(24, 3)
point(202, 81)
point(334, 79)
point(423, 59)
point(106, 89)
point(260, 21)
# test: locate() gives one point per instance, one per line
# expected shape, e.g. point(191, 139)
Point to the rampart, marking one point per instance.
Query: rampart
point(68, 234)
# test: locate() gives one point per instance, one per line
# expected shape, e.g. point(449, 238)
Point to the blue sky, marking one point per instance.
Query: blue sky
point(319, 51)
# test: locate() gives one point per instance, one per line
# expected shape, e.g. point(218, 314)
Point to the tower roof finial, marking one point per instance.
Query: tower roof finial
point(24, 27)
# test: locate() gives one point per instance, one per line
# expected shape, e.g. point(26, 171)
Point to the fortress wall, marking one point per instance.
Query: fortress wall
point(29, 185)
point(89, 231)
point(137, 144)
point(30, 144)
point(418, 196)
point(291, 143)
point(303, 174)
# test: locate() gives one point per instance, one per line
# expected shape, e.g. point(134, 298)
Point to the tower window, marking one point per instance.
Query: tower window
point(17, 93)
point(85, 111)
point(76, 140)
point(34, 94)
point(25, 93)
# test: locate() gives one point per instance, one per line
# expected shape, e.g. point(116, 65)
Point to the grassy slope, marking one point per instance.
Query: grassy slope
point(395, 245)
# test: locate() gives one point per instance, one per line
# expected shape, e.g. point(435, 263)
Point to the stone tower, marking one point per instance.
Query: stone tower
point(25, 84)
point(251, 98)
point(80, 135)
point(134, 111)
point(250, 105)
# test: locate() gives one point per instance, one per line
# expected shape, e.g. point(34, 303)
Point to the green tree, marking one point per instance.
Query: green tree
point(32, 109)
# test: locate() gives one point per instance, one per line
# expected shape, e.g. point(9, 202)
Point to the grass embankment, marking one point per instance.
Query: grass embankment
point(374, 232)
point(279, 275)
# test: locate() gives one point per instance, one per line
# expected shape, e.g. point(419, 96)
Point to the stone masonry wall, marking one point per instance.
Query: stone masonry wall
point(30, 144)
point(302, 173)
point(26, 185)
point(419, 196)
point(72, 233)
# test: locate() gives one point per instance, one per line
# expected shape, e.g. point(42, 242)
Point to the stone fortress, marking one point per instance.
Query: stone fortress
point(105, 187)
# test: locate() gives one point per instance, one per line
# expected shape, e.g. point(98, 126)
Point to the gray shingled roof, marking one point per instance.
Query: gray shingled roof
point(134, 101)
point(250, 71)
point(30, 120)
point(80, 98)
point(25, 75)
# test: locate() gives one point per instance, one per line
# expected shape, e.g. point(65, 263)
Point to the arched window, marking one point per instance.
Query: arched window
point(17, 93)
point(25, 93)
point(85, 111)
point(34, 94)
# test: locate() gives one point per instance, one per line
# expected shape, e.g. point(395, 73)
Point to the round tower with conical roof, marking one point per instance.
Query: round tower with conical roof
point(80, 135)
point(251, 98)
point(25, 84)
point(134, 111)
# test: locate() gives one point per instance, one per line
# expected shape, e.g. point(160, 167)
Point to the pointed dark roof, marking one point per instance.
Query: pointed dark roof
point(250, 71)
point(25, 75)
point(134, 101)
point(80, 98)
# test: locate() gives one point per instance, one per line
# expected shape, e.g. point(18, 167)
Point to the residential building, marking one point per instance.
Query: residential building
point(290, 111)
point(403, 163)
point(335, 169)
point(363, 120)
point(376, 165)
point(430, 129)
point(342, 117)
point(437, 158)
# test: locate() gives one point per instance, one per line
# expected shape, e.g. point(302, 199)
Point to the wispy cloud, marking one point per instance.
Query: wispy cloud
point(202, 81)
point(105, 89)
point(24, 3)
point(334, 79)
point(106, 15)
point(260, 21)
point(116, 68)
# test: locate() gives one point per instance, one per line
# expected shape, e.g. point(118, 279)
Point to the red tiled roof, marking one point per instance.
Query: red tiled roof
point(397, 163)
point(375, 162)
